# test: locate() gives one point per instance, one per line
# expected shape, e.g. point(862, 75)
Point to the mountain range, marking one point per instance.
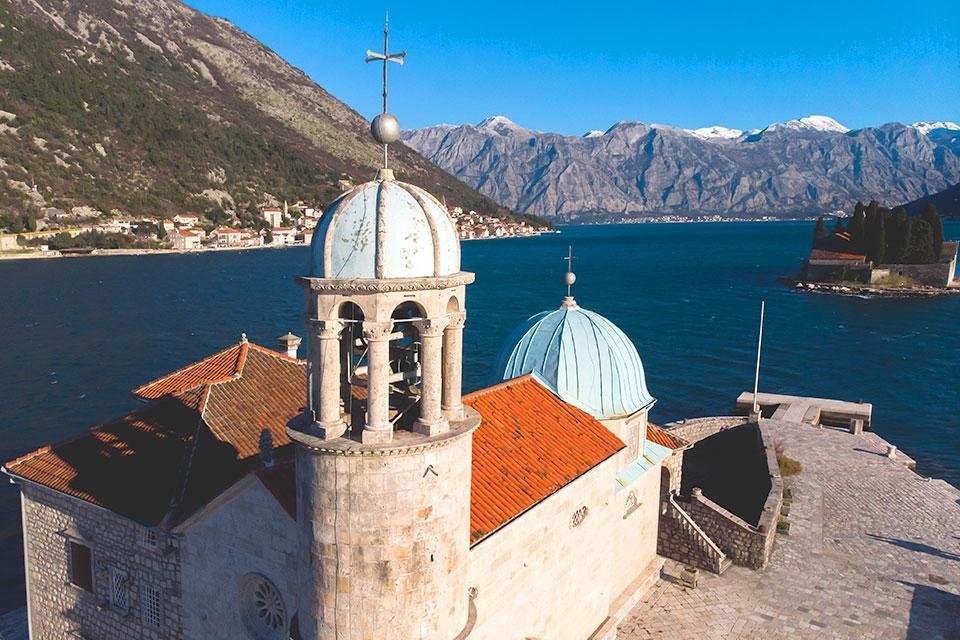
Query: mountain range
point(803, 167)
point(153, 107)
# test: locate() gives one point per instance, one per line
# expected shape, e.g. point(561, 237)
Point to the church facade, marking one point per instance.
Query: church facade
point(356, 493)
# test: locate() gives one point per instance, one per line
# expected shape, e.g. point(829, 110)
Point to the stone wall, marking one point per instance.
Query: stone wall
point(540, 576)
point(675, 543)
point(59, 610)
point(932, 275)
point(245, 531)
point(384, 539)
point(696, 429)
point(745, 544)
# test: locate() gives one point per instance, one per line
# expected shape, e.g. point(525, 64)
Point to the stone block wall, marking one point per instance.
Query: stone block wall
point(384, 540)
point(745, 544)
point(675, 543)
point(244, 532)
point(60, 610)
point(932, 275)
point(541, 576)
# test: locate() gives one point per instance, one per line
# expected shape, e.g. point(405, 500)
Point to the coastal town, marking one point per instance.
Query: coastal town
point(84, 231)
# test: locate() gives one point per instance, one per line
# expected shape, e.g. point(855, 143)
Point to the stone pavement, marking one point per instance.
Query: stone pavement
point(873, 552)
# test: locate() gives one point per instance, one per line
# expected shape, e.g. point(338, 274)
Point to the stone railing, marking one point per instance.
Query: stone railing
point(682, 539)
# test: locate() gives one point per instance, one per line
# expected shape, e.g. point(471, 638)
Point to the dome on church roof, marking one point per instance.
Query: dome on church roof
point(385, 229)
point(583, 357)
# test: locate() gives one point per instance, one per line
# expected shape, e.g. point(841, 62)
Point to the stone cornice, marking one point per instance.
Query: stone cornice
point(386, 285)
point(412, 443)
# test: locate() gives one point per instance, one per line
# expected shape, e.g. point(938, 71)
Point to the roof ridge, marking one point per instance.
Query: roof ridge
point(184, 368)
point(479, 393)
point(275, 354)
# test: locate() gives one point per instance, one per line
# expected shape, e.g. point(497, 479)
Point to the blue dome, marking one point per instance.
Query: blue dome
point(385, 229)
point(583, 357)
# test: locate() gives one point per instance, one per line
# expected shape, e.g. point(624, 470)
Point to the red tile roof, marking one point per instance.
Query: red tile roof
point(529, 445)
point(664, 438)
point(199, 435)
point(823, 254)
point(163, 462)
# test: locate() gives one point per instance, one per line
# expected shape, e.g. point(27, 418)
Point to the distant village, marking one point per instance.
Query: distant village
point(86, 231)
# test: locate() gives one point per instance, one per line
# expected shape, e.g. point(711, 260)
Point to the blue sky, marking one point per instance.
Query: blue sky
point(572, 67)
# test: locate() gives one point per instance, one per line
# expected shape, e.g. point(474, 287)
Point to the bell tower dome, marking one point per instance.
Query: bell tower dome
point(384, 446)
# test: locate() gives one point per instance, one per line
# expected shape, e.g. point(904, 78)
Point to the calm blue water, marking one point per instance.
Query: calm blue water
point(78, 334)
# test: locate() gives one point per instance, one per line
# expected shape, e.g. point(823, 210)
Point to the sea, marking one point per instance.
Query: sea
point(76, 335)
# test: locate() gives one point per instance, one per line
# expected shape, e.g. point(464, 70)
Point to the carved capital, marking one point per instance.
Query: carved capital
point(431, 327)
point(326, 329)
point(376, 331)
point(457, 320)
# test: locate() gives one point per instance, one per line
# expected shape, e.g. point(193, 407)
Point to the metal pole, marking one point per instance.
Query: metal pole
point(756, 378)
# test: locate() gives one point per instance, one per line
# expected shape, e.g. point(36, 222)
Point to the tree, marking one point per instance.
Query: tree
point(932, 218)
point(857, 227)
point(838, 224)
point(879, 247)
point(819, 231)
point(921, 242)
point(898, 236)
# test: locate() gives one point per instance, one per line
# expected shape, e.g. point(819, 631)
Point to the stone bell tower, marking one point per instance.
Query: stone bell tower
point(384, 447)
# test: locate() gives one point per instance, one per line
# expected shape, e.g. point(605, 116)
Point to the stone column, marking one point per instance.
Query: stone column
point(325, 369)
point(378, 428)
point(453, 367)
point(431, 421)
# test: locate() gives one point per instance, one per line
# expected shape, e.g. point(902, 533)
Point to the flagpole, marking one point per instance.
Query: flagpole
point(756, 378)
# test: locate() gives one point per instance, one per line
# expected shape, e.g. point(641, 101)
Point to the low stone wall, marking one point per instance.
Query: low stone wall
point(836, 271)
point(745, 544)
point(696, 429)
point(932, 275)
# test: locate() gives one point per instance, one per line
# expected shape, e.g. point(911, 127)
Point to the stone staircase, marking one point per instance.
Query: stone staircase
point(716, 560)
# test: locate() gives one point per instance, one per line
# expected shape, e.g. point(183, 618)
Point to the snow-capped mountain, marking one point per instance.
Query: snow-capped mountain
point(716, 131)
point(811, 123)
point(803, 166)
point(927, 127)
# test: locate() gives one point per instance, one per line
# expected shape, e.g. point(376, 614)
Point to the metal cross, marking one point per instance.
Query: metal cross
point(386, 56)
point(569, 258)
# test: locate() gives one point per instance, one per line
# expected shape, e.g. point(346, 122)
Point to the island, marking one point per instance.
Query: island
point(879, 251)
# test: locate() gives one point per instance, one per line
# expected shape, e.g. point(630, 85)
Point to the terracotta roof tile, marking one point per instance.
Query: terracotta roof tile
point(220, 366)
point(166, 460)
point(529, 445)
point(664, 438)
point(130, 465)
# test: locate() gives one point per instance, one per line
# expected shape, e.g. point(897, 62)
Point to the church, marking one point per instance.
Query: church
point(357, 494)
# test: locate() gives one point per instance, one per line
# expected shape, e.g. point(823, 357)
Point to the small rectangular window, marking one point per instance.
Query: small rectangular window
point(151, 538)
point(81, 566)
point(119, 592)
point(152, 606)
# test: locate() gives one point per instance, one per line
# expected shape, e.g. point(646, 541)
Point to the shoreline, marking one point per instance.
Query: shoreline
point(52, 254)
point(867, 291)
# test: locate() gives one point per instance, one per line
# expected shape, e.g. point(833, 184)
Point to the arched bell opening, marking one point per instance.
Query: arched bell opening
point(353, 364)
point(406, 372)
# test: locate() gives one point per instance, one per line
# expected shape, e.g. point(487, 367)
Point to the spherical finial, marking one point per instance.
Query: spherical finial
point(385, 128)
point(570, 278)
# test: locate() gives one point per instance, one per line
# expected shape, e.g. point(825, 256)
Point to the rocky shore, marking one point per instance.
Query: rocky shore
point(873, 291)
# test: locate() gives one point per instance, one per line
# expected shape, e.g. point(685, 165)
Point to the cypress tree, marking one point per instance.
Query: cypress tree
point(898, 231)
point(921, 242)
point(838, 224)
point(880, 239)
point(819, 231)
point(857, 227)
point(932, 218)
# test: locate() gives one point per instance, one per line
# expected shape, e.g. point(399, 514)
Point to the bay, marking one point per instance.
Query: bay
point(76, 335)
